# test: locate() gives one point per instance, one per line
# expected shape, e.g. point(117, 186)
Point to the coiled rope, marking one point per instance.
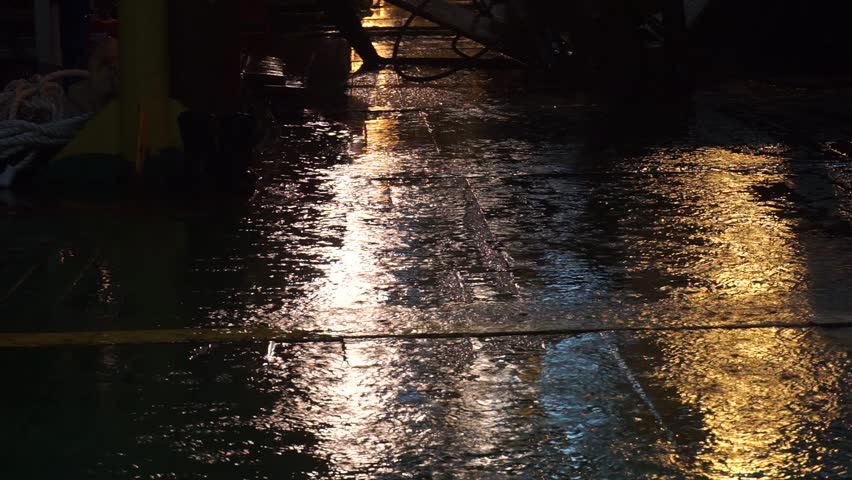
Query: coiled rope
point(32, 119)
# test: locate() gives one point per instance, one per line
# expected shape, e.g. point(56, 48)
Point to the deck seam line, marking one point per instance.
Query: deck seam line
point(132, 337)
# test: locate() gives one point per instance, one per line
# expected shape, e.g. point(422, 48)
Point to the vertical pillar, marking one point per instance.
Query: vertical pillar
point(48, 51)
point(144, 74)
point(676, 38)
point(345, 17)
point(205, 54)
point(74, 33)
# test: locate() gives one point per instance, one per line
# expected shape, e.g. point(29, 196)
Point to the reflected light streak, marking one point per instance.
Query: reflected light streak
point(386, 15)
point(753, 401)
point(355, 279)
point(359, 436)
point(742, 257)
point(381, 15)
point(357, 401)
point(727, 251)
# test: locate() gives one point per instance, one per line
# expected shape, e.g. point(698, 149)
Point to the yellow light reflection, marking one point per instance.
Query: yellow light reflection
point(727, 251)
point(382, 133)
point(740, 261)
point(385, 15)
point(381, 15)
point(752, 399)
point(752, 249)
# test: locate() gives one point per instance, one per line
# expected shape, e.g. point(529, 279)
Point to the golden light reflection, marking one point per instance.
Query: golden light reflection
point(757, 405)
point(751, 248)
point(355, 61)
point(106, 289)
point(385, 15)
point(739, 258)
point(384, 49)
point(381, 135)
point(725, 249)
point(382, 15)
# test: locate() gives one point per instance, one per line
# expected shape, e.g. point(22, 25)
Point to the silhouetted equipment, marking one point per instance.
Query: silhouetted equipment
point(345, 17)
point(550, 34)
point(765, 35)
point(501, 26)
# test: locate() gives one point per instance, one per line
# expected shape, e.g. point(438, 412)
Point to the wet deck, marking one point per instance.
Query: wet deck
point(473, 278)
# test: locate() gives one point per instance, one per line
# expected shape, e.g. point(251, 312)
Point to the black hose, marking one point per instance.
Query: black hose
point(429, 78)
point(465, 55)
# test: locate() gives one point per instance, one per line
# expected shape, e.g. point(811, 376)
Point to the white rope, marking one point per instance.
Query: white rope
point(7, 178)
point(18, 136)
point(32, 118)
point(38, 99)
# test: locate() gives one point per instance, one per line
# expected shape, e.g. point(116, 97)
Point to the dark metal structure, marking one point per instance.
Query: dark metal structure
point(547, 35)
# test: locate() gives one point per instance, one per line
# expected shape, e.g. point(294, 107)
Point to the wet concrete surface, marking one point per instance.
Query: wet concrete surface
point(665, 272)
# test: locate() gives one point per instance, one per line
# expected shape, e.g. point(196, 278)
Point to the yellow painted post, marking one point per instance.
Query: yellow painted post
point(141, 124)
point(144, 73)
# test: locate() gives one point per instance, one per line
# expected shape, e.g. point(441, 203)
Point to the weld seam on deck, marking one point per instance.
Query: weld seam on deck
point(615, 174)
point(151, 337)
point(23, 279)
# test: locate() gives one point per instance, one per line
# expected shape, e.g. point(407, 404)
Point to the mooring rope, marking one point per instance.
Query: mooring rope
point(32, 118)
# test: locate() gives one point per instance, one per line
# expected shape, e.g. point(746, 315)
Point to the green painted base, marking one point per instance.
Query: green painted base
point(109, 174)
point(99, 172)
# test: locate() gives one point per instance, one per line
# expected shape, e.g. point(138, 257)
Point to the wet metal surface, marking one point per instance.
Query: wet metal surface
point(484, 204)
point(712, 404)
